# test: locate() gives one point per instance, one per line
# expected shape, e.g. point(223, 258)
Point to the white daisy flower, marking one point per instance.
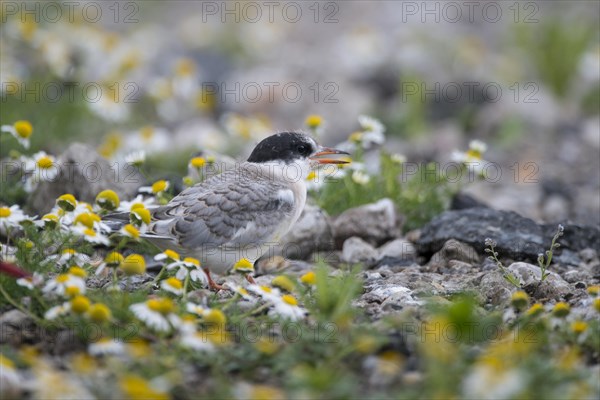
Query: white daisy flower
point(58, 311)
point(172, 285)
point(10, 379)
point(62, 283)
point(31, 282)
point(40, 167)
point(287, 307)
point(265, 292)
point(360, 178)
point(189, 266)
point(157, 314)
point(147, 202)
point(478, 146)
point(136, 158)
point(21, 130)
point(167, 255)
point(197, 309)
point(106, 346)
point(373, 131)
point(197, 341)
point(243, 292)
point(69, 257)
point(11, 217)
point(398, 158)
point(91, 235)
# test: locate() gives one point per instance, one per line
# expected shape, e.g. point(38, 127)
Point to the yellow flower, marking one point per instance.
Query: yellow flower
point(597, 304)
point(266, 345)
point(289, 299)
point(579, 327)
point(87, 219)
point(130, 231)
point(192, 260)
point(114, 259)
point(140, 215)
point(185, 67)
point(50, 220)
point(356, 137)
point(561, 309)
point(519, 300)
point(309, 278)
point(283, 282)
point(167, 254)
point(313, 121)
point(198, 162)
point(80, 304)
point(172, 285)
point(215, 317)
point(72, 291)
point(108, 199)
point(366, 344)
point(5, 212)
point(188, 181)
point(535, 309)
point(161, 305)
point(77, 271)
point(66, 202)
point(23, 129)
point(44, 162)
point(160, 186)
point(99, 312)
point(243, 265)
point(311, 176)
point(137, 388)
point(133, 264)
point(594, 290)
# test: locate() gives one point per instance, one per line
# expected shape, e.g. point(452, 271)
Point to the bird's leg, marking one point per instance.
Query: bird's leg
point(212, 284)
point(250, 279)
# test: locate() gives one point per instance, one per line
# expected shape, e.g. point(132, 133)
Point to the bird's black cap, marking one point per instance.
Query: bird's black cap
point(283, 146)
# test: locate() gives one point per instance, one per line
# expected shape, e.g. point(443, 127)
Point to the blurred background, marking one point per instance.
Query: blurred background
point(178, 77)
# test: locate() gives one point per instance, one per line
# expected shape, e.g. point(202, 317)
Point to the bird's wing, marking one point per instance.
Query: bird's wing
point(229, 209)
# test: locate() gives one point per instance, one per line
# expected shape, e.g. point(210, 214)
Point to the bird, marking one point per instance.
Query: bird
point(244, 211)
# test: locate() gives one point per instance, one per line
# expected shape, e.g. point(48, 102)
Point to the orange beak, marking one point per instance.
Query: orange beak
point(326, 151)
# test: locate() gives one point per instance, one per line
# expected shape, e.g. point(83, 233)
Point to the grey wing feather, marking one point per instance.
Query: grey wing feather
point(227, 209)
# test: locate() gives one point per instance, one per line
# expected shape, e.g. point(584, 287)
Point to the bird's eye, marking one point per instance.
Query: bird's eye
point(303, 150)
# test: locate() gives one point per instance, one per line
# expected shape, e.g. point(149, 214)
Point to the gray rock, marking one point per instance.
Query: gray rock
point(375, 223)
point(517, 237)
point(400, 249)
point(356, 250)
point(588, 255)
point(494, 288)
point(84, 174)
point(16, 328)
point(553, 287)
point(576, 275)
point(312, 232)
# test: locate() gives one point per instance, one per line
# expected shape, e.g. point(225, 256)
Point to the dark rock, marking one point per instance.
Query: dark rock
point(462, 201)
point(375, 223)
point(84, 174)
point(517, 237)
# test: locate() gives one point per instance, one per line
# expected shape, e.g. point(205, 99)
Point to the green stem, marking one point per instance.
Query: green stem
point(186, 283)
point(19, 307)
